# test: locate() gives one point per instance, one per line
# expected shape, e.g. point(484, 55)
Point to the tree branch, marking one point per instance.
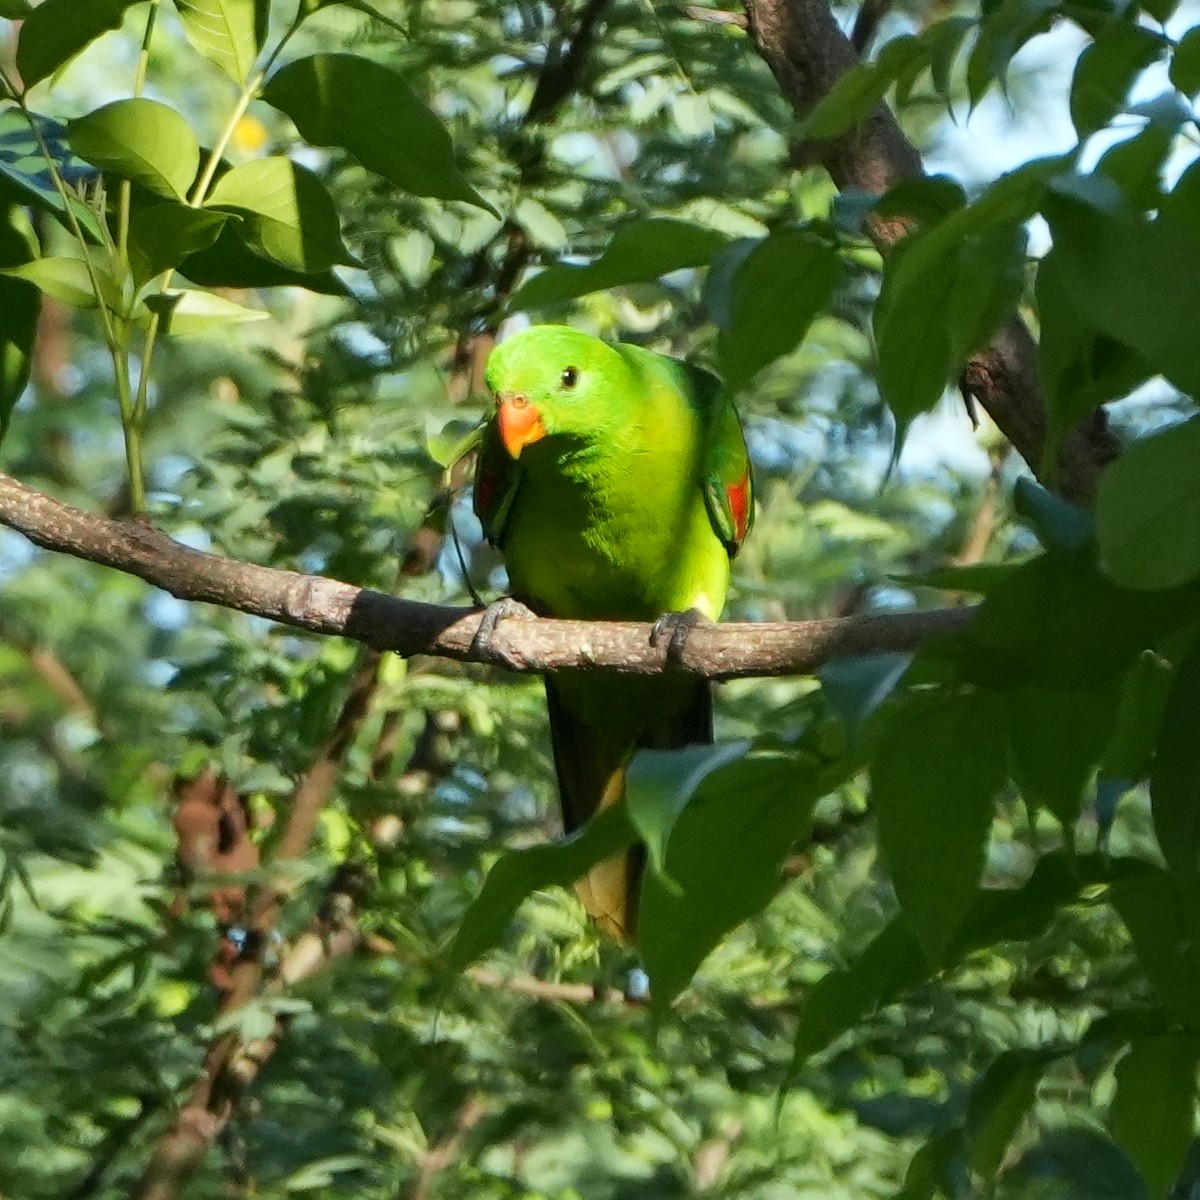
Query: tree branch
point(327, 606)
point(807, 52)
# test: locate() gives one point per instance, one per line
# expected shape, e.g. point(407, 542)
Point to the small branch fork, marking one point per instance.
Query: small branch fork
point(326, 606)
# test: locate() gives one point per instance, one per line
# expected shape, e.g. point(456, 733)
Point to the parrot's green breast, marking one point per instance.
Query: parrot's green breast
point(620, 532)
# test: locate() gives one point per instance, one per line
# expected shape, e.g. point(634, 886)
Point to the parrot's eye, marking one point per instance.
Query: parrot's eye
point(569, 378)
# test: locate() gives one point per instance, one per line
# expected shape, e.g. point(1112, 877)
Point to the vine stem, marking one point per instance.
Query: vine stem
point(117, 340)
point(200, 194)
point(139, 82)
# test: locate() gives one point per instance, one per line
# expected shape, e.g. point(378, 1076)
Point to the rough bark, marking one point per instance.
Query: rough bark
point(808, 52)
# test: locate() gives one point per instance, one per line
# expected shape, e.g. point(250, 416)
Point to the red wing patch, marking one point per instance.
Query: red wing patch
point(486, 487)
point(738, 495)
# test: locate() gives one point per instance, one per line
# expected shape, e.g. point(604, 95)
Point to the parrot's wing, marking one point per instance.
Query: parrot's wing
point(726, 477)
point(497, 478)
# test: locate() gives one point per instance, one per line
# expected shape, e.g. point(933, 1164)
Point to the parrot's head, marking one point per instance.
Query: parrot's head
point(553, 380)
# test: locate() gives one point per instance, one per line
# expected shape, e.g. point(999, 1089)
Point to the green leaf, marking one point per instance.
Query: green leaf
point(856, 687)
point(193, 312)
point(1080, 368)
point(941, 303)
point(229, 33)
point(1023, 913)
point(25, 174)
point(287, 215)
point(66, 279)
point(973, 577)
point(308, 7)
point(57, 30)
point(1180, 207)
point(925, 200)
point(1072, 1163)
point(161, 236)
point(1001, 34)
point(1162, 927)
point(520, 873)
point(1000, 1101)
point(140, 140)
point(1136, 165)
point(641, 251)
point(20, 303)
point(230, 263)
point(1139, 718)
point(890, 965)
point(1148, 510)
point(1136, 281)
point(1057, 738)
point(1057, 620)
point(1185, 63)
point(857, 91)
point(723, 858)
point(660, 783)
point(1154, 1110)
point(947, 289)
point(337, 99)
point(1175, 775)
point(938, 767)
point(1106, 70)
point(776, 292)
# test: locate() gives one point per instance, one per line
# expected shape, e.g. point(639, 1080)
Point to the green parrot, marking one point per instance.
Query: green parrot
point(617, 485)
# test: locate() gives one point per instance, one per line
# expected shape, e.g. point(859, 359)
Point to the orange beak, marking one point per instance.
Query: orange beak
point(520, 422)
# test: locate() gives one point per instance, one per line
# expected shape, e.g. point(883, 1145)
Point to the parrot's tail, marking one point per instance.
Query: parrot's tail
point(595, 727)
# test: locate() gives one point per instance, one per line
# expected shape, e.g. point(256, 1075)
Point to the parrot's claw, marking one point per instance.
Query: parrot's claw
point(674, 628)
point(504, 609)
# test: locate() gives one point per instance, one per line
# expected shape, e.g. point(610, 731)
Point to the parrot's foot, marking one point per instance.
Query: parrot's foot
point(674, 628)
point(504, 609)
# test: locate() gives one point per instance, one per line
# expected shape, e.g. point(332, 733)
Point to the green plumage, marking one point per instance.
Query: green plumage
point(616, 483)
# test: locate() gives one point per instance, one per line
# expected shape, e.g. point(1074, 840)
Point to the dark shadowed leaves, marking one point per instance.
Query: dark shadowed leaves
point(1175, 775)
point(19, 304)
point(1137, 281)
point(1161, 923)
point(939, 765)
point(1057, 739)
point(775, 292)
point(1148, 510)
point(1106, 71)
point(1154, 1110)
point(520, 873)
point(161, 236)
point(723, 858)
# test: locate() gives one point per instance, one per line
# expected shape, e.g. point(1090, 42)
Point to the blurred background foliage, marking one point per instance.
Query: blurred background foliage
point(317, 440)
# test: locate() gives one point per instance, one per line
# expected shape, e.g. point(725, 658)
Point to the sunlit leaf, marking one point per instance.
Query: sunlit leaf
point(229, 33)
point(337, 99)
point(141, 140)
point(286, 213)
